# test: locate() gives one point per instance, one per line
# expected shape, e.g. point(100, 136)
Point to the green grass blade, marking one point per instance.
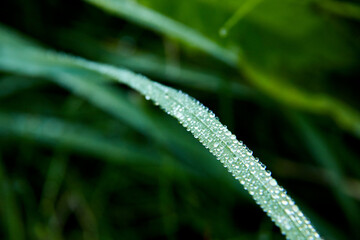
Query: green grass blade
point(341, 8)
point(83, 140)
point(141, 15)
point(54, 179)
point(344, 115)
point(222, 144)
point(244, 9)
point(153, 65)
point(205, 127)
point(181, 75)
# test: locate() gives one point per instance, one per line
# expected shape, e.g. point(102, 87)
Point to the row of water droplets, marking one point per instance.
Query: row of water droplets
point(233, 154)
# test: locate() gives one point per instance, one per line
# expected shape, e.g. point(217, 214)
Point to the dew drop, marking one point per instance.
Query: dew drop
point(295, 208)
point(273, 182)
point(287, 226)
point(288, 211)
point(262, 165)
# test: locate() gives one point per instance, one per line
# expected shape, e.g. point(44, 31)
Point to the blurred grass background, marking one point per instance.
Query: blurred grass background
point(106, 164)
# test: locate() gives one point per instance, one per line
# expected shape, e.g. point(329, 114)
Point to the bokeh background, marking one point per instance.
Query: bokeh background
point(114, 166)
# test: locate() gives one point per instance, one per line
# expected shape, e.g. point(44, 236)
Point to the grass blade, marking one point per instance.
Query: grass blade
point(238, 159)
point(341, 8)
point(203, 124)
point(146, 17)
point(243, 10)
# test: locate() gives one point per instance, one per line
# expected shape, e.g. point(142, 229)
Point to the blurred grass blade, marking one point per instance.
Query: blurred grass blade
point(9, 208)
point(54, 132)
point(54, 178)
point(183, 75)
point(141, 15)
point(244, 9)
point(322, 154)
point(154, 65)
point(346, 117)
point(341, 8)
point(64, 135)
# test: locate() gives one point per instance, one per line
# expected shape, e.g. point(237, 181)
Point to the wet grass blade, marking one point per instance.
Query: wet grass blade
point(197, 119)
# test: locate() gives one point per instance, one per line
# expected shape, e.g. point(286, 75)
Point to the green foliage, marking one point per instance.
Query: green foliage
point(157, 181)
